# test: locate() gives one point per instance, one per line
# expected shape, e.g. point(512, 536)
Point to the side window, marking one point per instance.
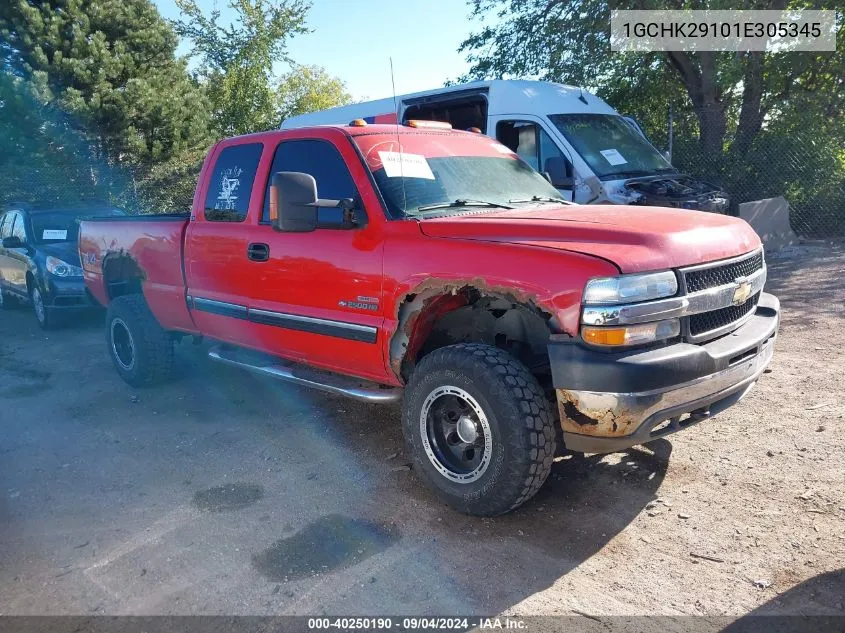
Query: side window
point(533, 145)
point(18, 229)
point(231, 181)
point(322, 160)
point(4, 220)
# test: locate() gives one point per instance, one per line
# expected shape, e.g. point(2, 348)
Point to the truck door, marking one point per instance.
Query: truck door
point(318, 296)
point(217, 264)
point(537, 148)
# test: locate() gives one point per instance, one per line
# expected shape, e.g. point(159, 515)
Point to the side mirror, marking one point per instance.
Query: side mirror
point(563, 182)
point(293, 202)
point(12, 242)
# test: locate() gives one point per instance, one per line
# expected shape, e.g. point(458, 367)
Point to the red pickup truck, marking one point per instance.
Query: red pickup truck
point(418, 264)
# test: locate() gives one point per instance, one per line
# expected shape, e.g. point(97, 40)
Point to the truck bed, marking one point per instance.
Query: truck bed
point(153, 245)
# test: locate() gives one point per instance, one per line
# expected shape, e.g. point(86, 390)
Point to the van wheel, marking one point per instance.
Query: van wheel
point(478, 428)
point(141, 350)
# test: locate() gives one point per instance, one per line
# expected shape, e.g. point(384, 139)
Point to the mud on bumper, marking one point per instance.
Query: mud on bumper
point(610, 402)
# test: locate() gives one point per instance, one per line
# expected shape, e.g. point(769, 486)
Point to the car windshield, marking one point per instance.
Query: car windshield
point(610, 145)
point(63, 226)
point(452, 174)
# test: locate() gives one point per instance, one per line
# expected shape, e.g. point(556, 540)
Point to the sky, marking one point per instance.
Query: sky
point(355, 39)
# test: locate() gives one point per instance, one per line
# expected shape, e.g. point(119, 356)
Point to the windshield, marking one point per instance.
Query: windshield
point(610, 145)
point(63, 226)
point(451, 174)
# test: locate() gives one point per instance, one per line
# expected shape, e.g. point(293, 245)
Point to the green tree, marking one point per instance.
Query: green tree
point(730, 95)
point(111, 66)
point(237, 59)
point(309, 89)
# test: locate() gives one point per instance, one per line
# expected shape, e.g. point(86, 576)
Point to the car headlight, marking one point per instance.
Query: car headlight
point(630, 288)
point(59, 268)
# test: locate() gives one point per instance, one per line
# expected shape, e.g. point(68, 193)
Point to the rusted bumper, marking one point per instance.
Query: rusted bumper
point(610, 402)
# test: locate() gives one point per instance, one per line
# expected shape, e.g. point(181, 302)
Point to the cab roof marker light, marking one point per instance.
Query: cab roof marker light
point(357, 123)
point(429, 125)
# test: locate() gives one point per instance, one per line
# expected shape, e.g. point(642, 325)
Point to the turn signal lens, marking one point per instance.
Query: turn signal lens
point(631, 335)
point(604, 336)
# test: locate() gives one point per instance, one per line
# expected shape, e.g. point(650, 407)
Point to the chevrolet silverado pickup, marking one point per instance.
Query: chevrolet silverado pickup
point(419, 264)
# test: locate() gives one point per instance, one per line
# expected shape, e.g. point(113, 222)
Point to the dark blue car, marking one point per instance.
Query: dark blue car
point(39, 259)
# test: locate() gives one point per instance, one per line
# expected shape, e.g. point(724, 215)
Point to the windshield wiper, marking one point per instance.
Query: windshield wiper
point(541, 199)
point(461, 202)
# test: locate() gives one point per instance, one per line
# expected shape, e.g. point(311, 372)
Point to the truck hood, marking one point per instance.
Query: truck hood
point(634, 238)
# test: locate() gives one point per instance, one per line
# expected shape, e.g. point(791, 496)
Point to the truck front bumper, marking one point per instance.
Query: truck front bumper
point(611, 401)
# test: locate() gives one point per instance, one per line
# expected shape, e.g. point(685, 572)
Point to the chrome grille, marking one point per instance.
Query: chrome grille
point(708, 321)
point(704, 278)
point(701, 279)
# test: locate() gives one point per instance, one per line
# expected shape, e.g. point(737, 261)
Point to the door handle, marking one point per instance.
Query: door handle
point(258, 252)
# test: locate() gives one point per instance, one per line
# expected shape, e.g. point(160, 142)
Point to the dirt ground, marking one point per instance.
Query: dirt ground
point(223, 493)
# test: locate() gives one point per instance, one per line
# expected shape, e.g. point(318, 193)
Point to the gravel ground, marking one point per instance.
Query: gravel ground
point(223, 493)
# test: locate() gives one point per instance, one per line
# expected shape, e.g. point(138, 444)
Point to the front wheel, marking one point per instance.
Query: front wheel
point(478, 427)
point(141, 350)
point(45, 317)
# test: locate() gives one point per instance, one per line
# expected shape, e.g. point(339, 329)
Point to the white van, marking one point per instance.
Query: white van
point(589, 152)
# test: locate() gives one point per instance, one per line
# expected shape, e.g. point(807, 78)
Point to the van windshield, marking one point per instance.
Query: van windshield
point(452, 174)
point(610, 145)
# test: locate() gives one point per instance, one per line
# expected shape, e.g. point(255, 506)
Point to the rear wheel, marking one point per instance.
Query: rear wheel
point(479, 428)
point(141, 350)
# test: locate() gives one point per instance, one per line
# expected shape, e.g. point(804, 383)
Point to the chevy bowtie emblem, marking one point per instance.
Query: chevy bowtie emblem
point(742, 291)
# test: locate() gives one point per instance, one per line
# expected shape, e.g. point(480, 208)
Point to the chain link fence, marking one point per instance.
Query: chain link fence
point(803, 166)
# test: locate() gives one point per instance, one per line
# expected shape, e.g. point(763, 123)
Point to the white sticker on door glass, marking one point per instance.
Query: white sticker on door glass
point(53, 234)
point(400, 164)
point(613, 157)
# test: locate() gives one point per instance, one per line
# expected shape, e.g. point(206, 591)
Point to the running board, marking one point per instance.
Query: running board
point(301, 375)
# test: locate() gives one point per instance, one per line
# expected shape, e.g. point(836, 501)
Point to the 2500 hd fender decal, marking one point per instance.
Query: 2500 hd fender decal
point(326, 327)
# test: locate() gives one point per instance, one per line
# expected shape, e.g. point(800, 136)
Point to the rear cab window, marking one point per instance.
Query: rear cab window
point(323, 161)
point(230, 185)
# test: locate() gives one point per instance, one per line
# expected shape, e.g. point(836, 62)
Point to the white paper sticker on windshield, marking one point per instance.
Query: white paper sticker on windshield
point(53, 234)
point(400, 164)
point(613, 157)
point(502, 149)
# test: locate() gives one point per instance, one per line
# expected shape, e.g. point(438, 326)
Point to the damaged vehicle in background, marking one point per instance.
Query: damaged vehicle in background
point(39, 259)
point(434, 267)
point(585, 148)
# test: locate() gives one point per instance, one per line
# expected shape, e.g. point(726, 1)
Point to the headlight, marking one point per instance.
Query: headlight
point(630, 288)
point(57, 267)
point(632, 334)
